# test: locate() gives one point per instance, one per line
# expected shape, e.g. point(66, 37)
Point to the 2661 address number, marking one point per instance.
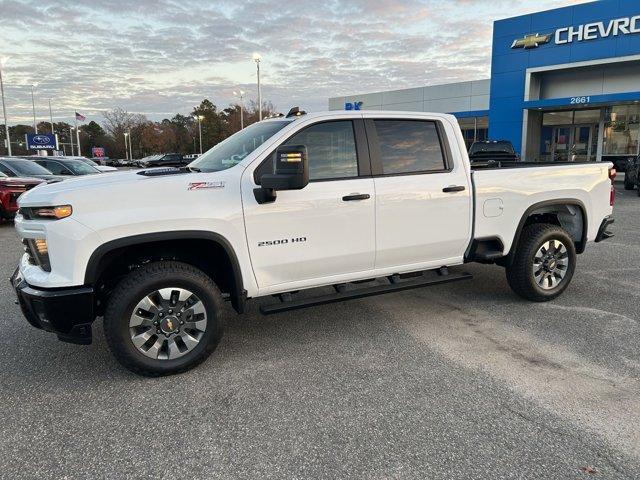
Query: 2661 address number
point(580, 100)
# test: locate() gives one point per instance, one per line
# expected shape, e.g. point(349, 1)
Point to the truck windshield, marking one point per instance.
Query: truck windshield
point(231, 151)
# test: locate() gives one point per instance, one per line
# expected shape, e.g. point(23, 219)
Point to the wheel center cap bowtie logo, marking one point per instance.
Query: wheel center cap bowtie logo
point(531, 41)
point(169, 325)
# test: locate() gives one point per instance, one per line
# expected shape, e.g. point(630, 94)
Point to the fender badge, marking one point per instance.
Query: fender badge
point(205, 185)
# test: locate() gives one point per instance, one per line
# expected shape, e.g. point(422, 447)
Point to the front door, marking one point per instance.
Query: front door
point(423, 199)
point(575, 143)
point(323, 231)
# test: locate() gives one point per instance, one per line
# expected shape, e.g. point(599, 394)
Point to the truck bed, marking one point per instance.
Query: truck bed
point(504, 192)
point(496, 163)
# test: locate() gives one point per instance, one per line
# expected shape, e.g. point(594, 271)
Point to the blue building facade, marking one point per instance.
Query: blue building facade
point(565, 83)
point(565, 86)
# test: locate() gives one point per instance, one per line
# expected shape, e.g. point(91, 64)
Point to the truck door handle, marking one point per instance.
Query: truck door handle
point(454, 188)
point(356, 196)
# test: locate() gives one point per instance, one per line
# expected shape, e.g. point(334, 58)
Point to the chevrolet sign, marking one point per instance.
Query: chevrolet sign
point(580, 33)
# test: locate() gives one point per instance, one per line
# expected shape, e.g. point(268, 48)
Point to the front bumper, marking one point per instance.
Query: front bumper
point(66, 312)
point(603, 233)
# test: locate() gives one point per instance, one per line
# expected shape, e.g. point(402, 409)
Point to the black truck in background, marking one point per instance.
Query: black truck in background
point(493, 150)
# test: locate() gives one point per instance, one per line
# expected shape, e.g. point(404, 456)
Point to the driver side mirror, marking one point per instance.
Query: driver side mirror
point(291, 173)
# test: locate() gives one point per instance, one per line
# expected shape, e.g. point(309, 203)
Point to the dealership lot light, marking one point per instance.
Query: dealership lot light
point(240, 95)
point(256, 58)
point(3, 61)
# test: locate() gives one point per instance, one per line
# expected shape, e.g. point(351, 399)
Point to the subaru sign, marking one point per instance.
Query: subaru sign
point(41, 141)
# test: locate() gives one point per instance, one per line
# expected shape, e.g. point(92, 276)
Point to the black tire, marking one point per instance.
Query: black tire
point(520, 274)
point(628, 182)
point(136, 286)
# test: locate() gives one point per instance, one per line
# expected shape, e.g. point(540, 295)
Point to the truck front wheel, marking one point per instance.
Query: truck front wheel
point(543, 264)
point(163, 318)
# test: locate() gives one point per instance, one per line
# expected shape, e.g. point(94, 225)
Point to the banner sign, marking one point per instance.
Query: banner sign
point(41, 141)
point(97, 152)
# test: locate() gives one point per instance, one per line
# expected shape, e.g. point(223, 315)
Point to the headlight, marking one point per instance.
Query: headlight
point(53, 213)
point(38, 252)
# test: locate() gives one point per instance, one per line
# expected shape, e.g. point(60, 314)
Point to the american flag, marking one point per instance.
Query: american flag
point(80, 117)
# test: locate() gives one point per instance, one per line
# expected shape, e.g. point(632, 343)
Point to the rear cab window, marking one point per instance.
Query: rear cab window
point(402, 147)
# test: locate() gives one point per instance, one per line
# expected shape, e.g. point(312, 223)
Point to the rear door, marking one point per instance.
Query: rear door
point(423, 198)
point(325, 230)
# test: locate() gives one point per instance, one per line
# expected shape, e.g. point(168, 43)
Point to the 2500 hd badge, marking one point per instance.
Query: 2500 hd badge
point(284, 241)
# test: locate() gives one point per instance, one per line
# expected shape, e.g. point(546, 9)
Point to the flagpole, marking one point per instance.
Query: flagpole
point(71, 139)
point(75, 116)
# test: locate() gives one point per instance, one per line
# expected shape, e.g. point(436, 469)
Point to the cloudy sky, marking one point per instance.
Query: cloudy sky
point(160, 57)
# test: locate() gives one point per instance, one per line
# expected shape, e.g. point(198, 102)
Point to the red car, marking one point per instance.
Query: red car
point(10, 189)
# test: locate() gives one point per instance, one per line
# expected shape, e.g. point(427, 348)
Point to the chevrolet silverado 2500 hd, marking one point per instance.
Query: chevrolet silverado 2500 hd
point(288, 204)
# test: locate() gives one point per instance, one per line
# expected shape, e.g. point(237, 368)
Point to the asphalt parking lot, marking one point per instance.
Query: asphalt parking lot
point(456, 381)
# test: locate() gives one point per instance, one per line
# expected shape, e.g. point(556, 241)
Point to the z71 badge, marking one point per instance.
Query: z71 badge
point(284, 241)
point(205, 185)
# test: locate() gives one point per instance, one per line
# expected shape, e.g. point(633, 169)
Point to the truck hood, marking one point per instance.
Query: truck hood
point(86, 182)
point(123, 190)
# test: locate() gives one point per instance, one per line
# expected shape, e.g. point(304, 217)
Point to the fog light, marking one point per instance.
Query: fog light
point(41, 246)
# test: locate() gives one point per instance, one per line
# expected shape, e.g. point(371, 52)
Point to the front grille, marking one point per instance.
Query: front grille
point(27, 250)
point(26, 212)
point(34, 257)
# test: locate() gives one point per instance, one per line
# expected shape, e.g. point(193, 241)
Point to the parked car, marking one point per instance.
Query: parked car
point(19, 167)
point(331, 199)
point(97, 166)
point(632, 175)
point(118, 162)
point(10, 189)
point(493, 150)
point(66, 166)
point(165, 160)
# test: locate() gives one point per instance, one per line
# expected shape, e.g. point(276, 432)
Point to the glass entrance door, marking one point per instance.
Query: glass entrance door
point(575, 143)
point(561, 141)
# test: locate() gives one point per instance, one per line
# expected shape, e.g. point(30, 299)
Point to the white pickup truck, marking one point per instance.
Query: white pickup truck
point(293, 203)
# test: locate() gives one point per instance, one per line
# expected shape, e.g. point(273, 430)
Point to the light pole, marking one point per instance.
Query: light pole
point(126, 150)
point(33, 104)
point(71, 129)
point(256, 58)
point(130, 149)
point(51, 118)
point(200, 117)
point(3, 60)
point(240, 94)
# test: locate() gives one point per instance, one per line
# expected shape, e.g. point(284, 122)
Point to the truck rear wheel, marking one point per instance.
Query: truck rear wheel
point(163, 318)
point(544, 263)
point(628, 182)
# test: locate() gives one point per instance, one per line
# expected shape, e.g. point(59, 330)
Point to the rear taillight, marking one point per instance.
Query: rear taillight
point(612, 176)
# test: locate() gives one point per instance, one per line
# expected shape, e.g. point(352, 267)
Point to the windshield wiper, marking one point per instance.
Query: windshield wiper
point(191, 169)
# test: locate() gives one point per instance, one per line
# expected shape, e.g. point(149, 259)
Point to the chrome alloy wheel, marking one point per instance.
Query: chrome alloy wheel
point(550, 264)
point(168, 323)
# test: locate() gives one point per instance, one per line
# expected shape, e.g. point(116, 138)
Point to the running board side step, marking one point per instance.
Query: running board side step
point(343, 295)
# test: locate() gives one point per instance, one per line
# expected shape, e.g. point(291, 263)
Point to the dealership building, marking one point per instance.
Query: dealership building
point(564, 86)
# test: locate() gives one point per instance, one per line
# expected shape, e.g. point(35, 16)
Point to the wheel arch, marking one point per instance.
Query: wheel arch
point(209, 251)
point(561, 212)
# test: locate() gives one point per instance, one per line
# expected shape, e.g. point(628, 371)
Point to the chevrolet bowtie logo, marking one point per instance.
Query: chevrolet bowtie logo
point(531, 41)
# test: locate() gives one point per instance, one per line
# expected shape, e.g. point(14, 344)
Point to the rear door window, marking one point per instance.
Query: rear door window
point(409, 146)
